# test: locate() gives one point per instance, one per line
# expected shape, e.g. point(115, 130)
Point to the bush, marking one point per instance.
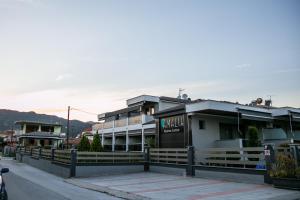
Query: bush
point(96, 144)
point(84, 144)
point(253, 137)
point(284, 167)
point(297, 172)
point(150, 141)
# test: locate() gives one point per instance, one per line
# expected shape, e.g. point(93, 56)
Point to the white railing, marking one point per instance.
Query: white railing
point(135, 120)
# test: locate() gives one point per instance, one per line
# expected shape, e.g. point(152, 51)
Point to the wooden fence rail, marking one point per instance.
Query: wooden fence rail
point(62, 156)
point(248, 157)
point(110, 157)
point(46, 154)
point(169, 155)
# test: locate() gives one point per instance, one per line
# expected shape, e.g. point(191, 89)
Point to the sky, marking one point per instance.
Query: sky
point(95, 54)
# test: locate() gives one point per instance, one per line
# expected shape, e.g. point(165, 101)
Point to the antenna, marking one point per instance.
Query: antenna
point(180, 90)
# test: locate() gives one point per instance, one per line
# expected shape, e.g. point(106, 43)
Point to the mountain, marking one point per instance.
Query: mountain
point(8, 117)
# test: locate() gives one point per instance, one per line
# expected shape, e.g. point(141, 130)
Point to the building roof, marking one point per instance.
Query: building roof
point(37, 123)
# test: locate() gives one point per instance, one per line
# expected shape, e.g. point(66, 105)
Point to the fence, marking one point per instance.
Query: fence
point(249, 157)
point(109, 157)
point(169, 156)
point(62, 156)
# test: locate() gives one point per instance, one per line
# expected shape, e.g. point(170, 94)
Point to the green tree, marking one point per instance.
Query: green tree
point(84, 144)
point(96, 144)
point(253, 137)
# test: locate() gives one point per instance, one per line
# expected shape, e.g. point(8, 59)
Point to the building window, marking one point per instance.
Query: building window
point(201, 124)
point(228, 131)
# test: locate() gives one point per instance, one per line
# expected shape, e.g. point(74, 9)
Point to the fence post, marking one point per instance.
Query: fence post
point(40, 152)
point(270, 159)
point(73, 163)
point(190, 171)
point(52, 154)
point(31, 151)
point(147, 159)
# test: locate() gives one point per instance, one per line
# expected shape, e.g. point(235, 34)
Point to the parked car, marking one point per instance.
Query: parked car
point(3, 193)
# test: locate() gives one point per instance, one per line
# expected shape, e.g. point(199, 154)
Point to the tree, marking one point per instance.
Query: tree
point(96, 144)
point(253, 137)
point(84, 144)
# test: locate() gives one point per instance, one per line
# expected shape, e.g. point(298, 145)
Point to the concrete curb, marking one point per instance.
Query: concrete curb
point(106, 190)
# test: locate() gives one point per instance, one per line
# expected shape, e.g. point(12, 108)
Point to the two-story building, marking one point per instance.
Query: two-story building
point(33, 133)
point(129, 129)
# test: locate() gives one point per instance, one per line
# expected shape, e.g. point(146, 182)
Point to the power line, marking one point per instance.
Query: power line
point(80, 110)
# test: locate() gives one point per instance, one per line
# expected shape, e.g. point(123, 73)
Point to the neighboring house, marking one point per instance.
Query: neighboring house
point(128, 129)
point(39, 134)
point(209, 123)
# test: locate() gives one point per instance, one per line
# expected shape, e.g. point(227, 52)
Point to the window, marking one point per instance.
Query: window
point(228, 131)
point(201, 124)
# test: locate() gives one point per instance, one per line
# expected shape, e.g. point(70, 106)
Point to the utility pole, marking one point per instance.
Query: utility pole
point(68, 127)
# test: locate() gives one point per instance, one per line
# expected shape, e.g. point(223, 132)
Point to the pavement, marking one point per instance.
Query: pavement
point(161, 186)
point(29, 183)
point(26, 182)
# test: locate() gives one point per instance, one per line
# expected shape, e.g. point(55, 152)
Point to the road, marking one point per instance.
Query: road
point(24, 182)
point(19, 188)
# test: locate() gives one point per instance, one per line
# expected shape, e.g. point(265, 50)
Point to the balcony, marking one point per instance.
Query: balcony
point(121, 124)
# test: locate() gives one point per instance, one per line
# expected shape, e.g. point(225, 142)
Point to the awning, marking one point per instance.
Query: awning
point(295, 116)
point(255, 115)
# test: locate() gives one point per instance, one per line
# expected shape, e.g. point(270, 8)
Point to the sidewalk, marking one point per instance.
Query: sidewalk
point(52, 182)
point(161, 186)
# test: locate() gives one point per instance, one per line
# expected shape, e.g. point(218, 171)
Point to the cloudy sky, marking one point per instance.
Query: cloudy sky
point(93, 55)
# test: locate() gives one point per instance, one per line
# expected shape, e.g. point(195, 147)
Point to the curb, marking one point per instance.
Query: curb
point(107, 190)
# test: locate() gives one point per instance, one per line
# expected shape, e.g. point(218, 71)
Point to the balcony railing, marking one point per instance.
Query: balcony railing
point(135, 120)
point(107, 125)
point(120, 122)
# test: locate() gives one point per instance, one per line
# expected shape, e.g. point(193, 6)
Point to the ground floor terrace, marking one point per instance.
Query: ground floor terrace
point(41, 141)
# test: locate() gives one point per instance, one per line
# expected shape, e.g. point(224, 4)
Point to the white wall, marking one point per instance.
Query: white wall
point(205, 138)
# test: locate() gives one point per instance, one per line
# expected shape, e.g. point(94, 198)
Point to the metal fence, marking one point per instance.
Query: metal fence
point(169, 155)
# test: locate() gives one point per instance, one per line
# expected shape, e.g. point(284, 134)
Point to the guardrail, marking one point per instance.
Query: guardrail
point(248, 157)
point(109, 157)
point(169, 155)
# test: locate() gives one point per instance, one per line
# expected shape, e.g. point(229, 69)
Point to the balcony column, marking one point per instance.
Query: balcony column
point(102, 139)
point(127, 137)
point(40, 128)
point(113, 137)
point(143, 139)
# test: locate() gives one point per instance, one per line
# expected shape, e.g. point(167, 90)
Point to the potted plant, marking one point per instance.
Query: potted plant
point(284, 172)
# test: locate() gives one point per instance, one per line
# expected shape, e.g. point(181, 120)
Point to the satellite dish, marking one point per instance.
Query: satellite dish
point(185, 96)
point(259, 100)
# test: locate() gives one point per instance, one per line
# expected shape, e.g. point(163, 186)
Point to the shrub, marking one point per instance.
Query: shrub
point(150, 141)
point(96, 144)
point(253, 137)
point(284, 167)
point(84, 144)
point(297, 172)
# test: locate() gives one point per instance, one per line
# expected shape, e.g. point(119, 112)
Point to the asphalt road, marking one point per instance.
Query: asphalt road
point(19, 188)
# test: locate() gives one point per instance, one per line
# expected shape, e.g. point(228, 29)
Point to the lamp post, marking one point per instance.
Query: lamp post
point(68, 127)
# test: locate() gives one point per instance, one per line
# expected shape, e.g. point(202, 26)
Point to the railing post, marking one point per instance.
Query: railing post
point(31, 151)
point(190, 171)
point(270, 159)
point(73, 163)
point(147, 159)
point(52, 154)
point(40, 152)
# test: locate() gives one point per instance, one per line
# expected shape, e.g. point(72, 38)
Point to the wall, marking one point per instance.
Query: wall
point(205, 138)
point(46, 165)
point(57, 129)
point(229, 143)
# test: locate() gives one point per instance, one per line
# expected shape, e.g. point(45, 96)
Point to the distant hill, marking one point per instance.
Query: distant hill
point(8, 117)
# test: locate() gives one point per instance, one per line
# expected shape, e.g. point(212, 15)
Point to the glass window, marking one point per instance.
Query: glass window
point(228, 131)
